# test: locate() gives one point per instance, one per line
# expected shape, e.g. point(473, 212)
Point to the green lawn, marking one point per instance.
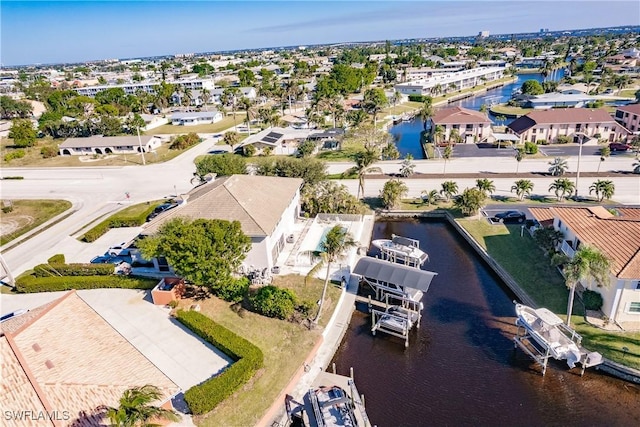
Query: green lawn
point(223, 124)
point(285, 346)
point(29, 214)
point(627, 93)
point(529, 266)
point(506, 109)
point(349, 150)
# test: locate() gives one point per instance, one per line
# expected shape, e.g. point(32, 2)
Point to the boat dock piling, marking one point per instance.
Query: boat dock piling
point(397, 320)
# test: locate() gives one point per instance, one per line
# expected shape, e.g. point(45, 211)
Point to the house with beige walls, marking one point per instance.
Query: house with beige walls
point(471, 125)
point(618, 237)
point(578, 124)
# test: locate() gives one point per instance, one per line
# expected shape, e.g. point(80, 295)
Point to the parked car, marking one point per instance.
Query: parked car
point(619, 146)
point(162, 208)
point(218, 152)
point(118, 250)
point(510, 217)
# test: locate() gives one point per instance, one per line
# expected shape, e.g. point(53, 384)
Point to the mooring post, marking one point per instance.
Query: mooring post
point(362, 399)
point(351, 372)
point(333, 366)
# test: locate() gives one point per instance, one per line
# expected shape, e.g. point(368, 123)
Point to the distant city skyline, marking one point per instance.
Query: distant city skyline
point(42, 32)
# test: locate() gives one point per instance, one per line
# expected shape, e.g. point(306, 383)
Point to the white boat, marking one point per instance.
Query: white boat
point(556, 339)
point(402, 250)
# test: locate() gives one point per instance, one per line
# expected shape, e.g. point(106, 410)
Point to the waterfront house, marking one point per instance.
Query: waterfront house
point(578, 124)
point(618, 237)
point(281, 141)
point(64, 360)
point(629, 117)
point(266, 206)
point(471, 125)
point(109, 145)
point(148, 86)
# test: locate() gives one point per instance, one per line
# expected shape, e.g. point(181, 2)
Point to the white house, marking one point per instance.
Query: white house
point(281, 141)
point(454, 81)
point(195, 118)
point(109, 145)
point(471, 125)
point(148, 86)
point(265, 206)
point(618, 237)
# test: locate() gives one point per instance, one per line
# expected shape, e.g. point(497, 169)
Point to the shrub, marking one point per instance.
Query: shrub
point(7, 209)
point(57, 259)
point(51, 269)
point(419, 98)
point(530, 147)
point(235, 292)
point(117, 221)
point(249, 150)
point(204, 397)
point(592, 300)
point(16, 154)
point(562, 139)
point(272, 301)
point(49, 151)
point(31, 283)
point(181, 142)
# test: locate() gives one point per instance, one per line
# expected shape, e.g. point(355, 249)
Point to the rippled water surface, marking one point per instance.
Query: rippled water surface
point(461, 367)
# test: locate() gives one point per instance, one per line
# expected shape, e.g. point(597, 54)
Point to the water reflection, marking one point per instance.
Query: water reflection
point(461, 367)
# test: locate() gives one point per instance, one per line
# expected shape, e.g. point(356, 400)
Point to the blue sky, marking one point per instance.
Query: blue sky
point(68, 31)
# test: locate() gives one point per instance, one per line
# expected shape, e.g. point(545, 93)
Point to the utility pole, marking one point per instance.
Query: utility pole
point(140, 144)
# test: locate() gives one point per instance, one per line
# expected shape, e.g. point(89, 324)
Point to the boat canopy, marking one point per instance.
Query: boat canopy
point(398, 274)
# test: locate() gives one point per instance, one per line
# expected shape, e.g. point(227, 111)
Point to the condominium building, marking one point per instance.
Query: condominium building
point(451, 81)
point(148, 86)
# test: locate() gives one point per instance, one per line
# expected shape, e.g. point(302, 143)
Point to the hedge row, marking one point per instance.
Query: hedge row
point(30, 283)
point(117, 221)
point(204, 397)
point(48, 270)
point(57, 259)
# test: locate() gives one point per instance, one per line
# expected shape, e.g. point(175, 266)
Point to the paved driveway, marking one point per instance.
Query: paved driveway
point(183, 357)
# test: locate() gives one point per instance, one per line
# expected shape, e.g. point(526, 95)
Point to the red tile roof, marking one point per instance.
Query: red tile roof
point(631, 108)
point(459, 115)
point(618, 236)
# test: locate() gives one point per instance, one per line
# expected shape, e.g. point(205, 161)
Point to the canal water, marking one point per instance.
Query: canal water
point(461, 367)
point(407, 134)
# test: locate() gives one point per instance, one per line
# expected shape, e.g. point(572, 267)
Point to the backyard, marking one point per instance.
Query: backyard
point(531, 268)
point(285, 346)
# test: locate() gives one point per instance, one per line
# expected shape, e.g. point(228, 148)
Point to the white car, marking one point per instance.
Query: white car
point(118, 250)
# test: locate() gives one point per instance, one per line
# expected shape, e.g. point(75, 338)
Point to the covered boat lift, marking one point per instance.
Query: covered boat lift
point(400, 284)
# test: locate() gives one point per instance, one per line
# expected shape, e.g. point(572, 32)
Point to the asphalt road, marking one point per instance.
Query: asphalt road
point(97, 192)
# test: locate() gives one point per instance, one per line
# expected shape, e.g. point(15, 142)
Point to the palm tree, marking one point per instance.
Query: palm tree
point(449, 189)
point(446, 155)
point(604, 189)
point(392, 192)
point(485, 185)
point(206, 94)
point(335, 244)
point(562, 187)
point(246, 104)
point(426, 112)
point(431, 197)
point(373, 101)
point(231, 138)
point(558, 166)
point(186, 96)
point(519, 156)
point(438, 132)
point(604, 153)
point(364, 160)
point(522, 187)
point(356, 118)
point(454, 136)
point(407, 166)
point(135, 408)
point(587, 262)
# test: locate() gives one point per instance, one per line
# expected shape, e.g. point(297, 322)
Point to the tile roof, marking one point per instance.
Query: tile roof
point(631, 108)
point(617, 236)
point(564, 116)
point(106, 141)
point(459, 115)
point(258, 202)
point(75, 361)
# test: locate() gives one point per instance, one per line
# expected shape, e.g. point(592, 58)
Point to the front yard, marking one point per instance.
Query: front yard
point(285, 346)
point(27, 215)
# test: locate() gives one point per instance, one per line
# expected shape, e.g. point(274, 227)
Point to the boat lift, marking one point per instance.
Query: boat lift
point(541, 354)
point(403, 250)
point(397, 320)
point(401, 288)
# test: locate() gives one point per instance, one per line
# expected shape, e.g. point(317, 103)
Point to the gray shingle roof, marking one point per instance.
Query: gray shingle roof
point(105, 141)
